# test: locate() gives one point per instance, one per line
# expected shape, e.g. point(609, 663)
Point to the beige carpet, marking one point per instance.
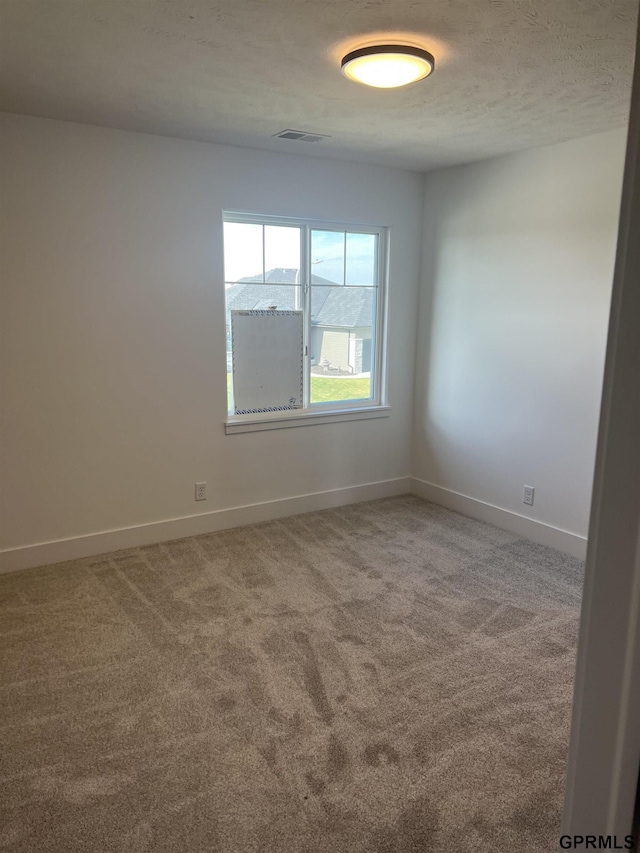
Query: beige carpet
point(387, 677)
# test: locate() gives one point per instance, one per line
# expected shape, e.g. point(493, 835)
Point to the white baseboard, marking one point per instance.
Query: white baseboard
point(520, 525)
point(14, 559)
point(177, 528)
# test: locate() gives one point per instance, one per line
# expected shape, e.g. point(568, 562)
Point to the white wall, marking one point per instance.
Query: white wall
point(113, 336)
point(113, 348)
point(518, 260)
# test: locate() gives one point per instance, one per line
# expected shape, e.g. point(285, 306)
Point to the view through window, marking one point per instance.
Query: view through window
point(330, 273)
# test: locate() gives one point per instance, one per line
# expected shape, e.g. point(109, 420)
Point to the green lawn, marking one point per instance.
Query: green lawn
point(328, 389)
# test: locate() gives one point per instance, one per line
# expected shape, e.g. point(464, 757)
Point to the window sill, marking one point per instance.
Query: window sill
point(252, 423)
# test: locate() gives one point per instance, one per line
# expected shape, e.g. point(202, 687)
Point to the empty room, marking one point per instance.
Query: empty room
point(306, 320)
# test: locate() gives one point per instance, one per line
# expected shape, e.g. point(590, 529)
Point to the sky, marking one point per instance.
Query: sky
point(243, 250)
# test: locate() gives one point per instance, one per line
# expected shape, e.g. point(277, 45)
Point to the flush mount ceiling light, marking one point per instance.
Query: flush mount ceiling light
point(387, 66)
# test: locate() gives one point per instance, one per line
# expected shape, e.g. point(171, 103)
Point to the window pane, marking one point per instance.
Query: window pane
point(243, 257)
point(282, 254)
point(327, 257)
point(362, 259)
point(341, 343)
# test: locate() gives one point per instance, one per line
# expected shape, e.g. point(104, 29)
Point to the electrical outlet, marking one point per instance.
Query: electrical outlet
point(527, 498)
point(201, 491)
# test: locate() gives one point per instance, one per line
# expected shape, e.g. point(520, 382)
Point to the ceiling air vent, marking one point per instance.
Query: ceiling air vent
point(300, 135)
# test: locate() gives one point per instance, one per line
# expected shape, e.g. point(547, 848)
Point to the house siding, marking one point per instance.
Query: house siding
point(335, 349)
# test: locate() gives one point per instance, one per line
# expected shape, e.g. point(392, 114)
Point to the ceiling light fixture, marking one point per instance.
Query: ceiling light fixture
point(387, 66)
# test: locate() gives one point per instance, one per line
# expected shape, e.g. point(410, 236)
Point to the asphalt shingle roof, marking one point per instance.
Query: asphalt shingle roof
point(330, 305)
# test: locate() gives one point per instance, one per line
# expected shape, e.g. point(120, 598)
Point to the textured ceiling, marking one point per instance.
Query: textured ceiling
point(509, 73)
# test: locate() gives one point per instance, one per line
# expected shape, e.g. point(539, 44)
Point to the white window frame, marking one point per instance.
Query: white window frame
point(343, 410)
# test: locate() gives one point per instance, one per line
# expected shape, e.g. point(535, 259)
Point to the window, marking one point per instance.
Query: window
point(305, 320)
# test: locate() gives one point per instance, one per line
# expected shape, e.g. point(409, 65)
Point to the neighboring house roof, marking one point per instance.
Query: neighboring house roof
point(241, 297)
point(343, 306)
point(330, 305)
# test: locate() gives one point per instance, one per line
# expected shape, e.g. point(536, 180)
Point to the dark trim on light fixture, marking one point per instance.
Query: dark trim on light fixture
point(407, 50)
